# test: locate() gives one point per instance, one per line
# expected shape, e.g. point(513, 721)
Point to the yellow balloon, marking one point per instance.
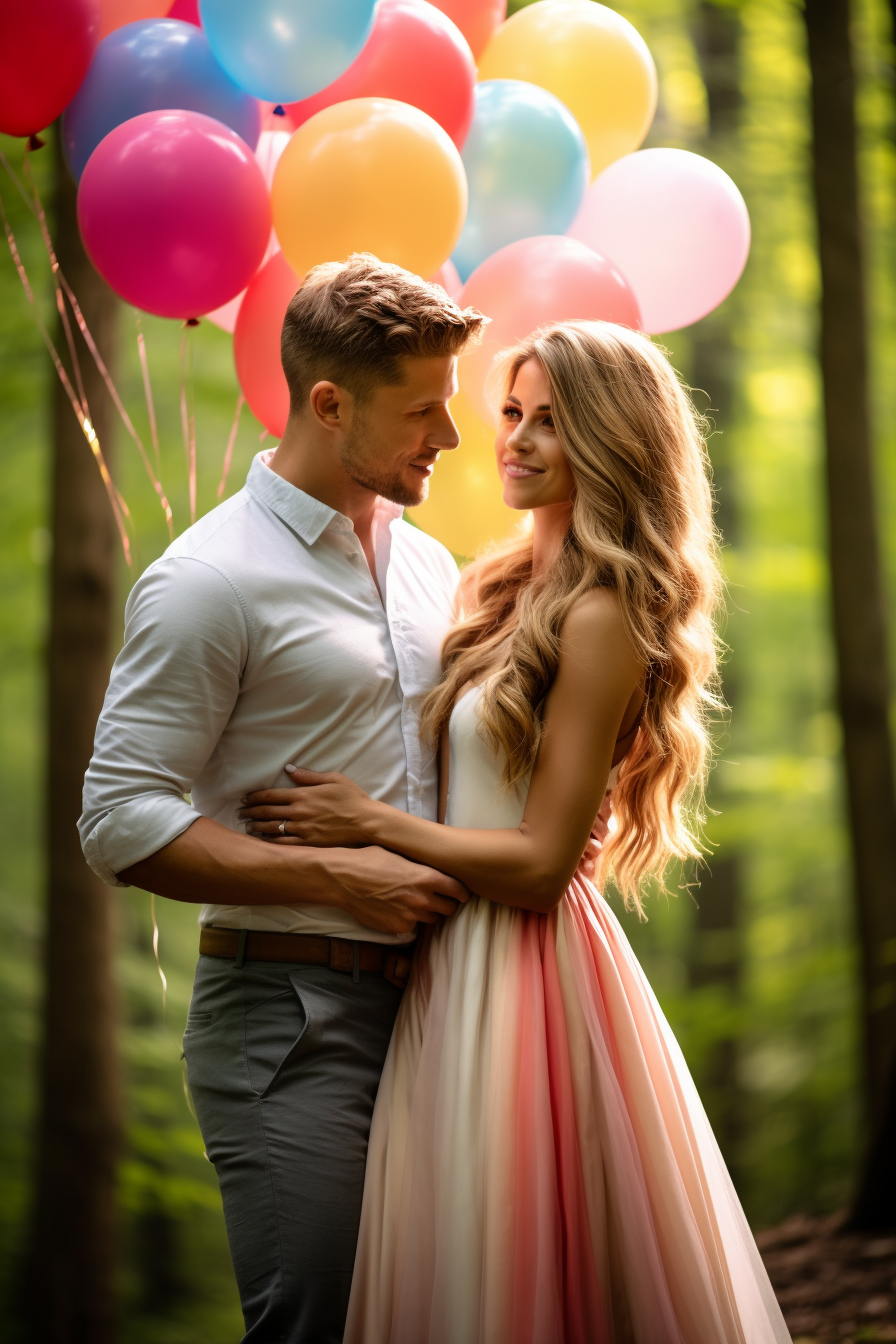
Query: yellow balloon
point(592, 59)
point(465, 509)
point(369, 175)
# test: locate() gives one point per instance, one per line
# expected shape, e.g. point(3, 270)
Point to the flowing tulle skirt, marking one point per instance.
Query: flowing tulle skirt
point(541, 1169)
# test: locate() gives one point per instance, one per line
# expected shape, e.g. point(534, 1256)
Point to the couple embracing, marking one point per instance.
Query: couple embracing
point(440, 1097)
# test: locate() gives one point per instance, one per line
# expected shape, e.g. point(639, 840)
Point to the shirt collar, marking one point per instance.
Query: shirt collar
point(307, 516)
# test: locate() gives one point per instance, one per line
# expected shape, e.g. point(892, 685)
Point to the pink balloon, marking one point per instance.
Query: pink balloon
point(256, 343)
point(414, 54)
point(677, 227)
point(174, 212)
point(533, 282)
point(448, 277)
point(272, 120)
point(45, 52)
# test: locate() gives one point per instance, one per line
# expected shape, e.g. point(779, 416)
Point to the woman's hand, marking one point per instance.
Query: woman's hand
point(324, 810)
point(599, 832)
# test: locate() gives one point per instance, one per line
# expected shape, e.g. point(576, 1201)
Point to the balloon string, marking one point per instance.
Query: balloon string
point(147, 388)
point(228, 455)
point(187, 418)
point(62, 286)
point(162, 975)
point(119, 508)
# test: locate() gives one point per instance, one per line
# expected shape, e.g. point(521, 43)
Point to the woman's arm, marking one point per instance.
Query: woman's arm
point(597, 678)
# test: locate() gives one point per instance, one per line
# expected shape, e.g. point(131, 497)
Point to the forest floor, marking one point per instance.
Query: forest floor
point(834, 1286)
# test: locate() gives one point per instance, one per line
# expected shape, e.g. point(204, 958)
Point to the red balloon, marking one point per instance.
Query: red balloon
point(256, 343)
point(530, 283)
point(415, 55)
point(45, 51)
point(187, 11)
point(478, 20)
point(174, 212)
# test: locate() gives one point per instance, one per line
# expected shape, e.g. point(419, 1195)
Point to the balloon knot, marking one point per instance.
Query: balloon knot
point(192, 322)
point(35, 142)
point(279, 111)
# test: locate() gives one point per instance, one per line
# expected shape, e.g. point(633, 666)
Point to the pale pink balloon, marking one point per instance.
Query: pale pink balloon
point(530, 283)
point(271, 145)
point(675, 225)
point(447, 276)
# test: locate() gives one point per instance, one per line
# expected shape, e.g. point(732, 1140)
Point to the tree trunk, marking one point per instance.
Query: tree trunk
point(857, 586)
point(71, 1280)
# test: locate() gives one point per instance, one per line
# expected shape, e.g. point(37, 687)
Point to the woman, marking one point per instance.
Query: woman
point(540, 1167)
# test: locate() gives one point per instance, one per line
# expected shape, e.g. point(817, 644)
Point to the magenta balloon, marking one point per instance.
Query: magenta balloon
point(174, 212)
point(532, 282)
point(675, 225)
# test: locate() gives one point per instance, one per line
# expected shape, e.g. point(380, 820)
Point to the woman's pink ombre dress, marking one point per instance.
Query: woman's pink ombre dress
point(541, 1170)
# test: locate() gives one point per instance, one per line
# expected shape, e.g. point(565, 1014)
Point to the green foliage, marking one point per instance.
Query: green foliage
point(777, 793)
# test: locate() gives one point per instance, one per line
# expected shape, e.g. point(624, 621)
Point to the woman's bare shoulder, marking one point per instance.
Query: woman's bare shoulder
point(595, 627)
point(595, 612)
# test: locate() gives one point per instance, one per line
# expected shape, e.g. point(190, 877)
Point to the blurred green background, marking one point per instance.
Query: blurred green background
point(756, 967)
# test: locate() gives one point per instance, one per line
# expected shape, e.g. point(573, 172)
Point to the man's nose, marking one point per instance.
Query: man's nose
point(447, 436)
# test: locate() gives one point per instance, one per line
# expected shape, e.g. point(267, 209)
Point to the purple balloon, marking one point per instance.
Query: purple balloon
point(174, 212)
point(145, 67)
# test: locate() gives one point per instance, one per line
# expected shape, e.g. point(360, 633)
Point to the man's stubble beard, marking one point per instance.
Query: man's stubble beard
point(365, 474)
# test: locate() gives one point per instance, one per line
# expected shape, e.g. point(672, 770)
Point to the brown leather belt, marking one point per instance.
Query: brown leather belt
point(308, 949)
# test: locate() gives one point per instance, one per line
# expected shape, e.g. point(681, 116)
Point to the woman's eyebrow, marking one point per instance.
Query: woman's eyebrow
point(517, 402)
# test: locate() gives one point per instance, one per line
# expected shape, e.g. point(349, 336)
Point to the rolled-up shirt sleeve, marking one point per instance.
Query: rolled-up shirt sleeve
point(172, 691)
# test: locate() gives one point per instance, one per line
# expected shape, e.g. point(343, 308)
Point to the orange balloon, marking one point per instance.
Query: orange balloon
point(115, 13)
point(370, 175)
point(478, 20)
point(465, 509)
point(256, 343)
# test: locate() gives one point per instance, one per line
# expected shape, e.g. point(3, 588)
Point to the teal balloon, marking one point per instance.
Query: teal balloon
point(285, 50)
point(527, 168)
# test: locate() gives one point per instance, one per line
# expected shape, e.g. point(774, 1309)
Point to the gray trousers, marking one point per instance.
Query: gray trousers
point(283, 1063)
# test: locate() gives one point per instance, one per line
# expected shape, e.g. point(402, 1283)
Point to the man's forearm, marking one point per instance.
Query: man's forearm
point(210, 864)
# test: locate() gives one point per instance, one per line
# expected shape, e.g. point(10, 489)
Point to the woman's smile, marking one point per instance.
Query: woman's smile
point(521, 469)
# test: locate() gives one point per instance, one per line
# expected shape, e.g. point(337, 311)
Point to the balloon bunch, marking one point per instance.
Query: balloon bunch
point(222, 151)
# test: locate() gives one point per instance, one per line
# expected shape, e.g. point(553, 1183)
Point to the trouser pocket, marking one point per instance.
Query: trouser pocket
point(275, 1031)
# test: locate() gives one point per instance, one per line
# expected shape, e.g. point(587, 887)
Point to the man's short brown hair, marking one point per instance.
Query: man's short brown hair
point(352, 321)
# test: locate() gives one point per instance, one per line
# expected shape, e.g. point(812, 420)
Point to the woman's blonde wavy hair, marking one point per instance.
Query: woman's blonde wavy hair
point(642, 525)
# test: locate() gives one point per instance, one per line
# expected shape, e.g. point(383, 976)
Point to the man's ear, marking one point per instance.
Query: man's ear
point(330, 405)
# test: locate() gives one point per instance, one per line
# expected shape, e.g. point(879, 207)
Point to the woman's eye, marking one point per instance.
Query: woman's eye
point(548, 422)
point(510, 412)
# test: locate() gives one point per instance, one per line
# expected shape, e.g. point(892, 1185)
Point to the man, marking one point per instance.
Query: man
point(299, 621)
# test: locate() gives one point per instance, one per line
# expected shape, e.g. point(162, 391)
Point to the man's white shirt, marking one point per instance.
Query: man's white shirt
point(258, 640)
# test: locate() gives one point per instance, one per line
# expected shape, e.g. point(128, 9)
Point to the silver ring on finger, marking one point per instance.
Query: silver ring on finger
point(283, 828)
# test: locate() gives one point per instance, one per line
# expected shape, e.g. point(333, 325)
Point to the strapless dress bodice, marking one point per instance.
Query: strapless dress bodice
point(477, 796)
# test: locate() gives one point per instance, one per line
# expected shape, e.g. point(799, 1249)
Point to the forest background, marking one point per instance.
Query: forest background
point(757, 967)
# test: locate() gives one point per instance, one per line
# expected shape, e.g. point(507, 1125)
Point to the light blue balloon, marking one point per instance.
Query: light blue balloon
point(527, 168)
point(285, 50)
point(149, 66)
